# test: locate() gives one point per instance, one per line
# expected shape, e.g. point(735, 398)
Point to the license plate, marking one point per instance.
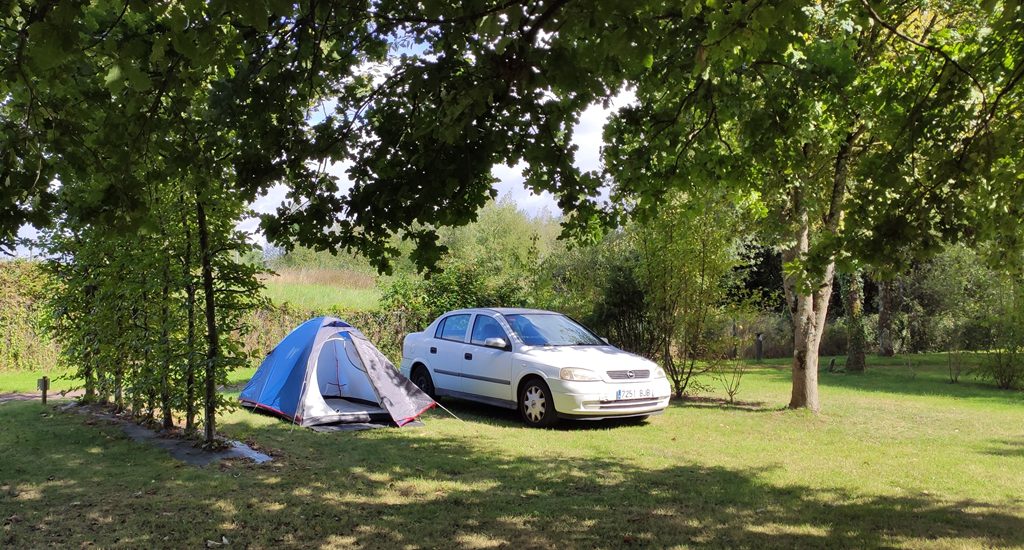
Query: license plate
point(633, 393)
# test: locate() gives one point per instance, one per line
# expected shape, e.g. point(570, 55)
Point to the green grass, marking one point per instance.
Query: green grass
point(25, 381)
point(898, 457)
point(317, 297)
point(320, 289)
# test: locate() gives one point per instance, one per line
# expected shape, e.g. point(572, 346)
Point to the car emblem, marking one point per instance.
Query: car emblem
point(630, 374)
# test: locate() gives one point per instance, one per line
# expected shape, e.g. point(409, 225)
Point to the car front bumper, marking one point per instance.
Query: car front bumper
point(596, 400)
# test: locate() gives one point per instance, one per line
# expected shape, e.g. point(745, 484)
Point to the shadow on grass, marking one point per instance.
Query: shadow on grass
point(470, 411)
point(69, 485)
point(921, 380)
point(1013, 448)
point(702, 402)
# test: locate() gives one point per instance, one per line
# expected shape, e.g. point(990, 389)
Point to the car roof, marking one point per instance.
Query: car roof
point(502, 310)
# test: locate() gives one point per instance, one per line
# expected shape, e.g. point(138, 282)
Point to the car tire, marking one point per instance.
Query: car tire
point(421, 377)
point(536, 405)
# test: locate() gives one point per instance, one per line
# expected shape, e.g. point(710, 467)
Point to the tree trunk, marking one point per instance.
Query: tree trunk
point(88, 373)
point(212, 337)
point(853, 295)
point(165, 342)
point(118, 384)
point(190, 362)
point(190, 311)
point(679, 386)
point(808, 302)
point(809, 310)
point(886, 303)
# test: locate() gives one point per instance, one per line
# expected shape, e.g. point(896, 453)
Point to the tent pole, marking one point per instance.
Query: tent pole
point(447, 411)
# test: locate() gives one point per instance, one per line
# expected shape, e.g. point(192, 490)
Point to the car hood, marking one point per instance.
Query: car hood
point(597, 358)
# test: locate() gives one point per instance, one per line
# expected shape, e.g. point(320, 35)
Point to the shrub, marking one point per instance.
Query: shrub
point(24, 344)
point(776, 335)
point(1004, 367)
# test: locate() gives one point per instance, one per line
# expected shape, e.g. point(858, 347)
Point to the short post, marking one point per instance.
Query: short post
point(43, 384)
point(759, 347)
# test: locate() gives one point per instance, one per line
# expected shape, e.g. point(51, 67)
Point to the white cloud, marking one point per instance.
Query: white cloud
point(510, 182)
point(588, 138)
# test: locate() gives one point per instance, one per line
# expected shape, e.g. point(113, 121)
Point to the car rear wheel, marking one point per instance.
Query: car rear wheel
point(536, 405)
point(421, 377)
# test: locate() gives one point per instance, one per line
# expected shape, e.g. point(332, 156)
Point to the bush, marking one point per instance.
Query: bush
point(1003, 367)
point(24, 344)
point(776, 335)
point(1004, 363)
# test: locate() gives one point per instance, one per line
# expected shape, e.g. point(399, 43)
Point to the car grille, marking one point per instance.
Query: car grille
point(624, 374)
point(627, 404)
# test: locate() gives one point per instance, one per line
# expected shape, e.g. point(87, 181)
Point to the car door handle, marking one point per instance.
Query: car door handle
point(468, 356)
point(433, 350)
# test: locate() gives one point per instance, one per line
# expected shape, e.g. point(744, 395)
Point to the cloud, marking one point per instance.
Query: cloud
point(588, 138)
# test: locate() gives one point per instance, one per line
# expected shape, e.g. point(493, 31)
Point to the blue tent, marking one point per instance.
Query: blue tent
point(327, 372)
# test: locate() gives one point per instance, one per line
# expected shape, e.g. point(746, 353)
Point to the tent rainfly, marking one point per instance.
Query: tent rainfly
point(326, 372)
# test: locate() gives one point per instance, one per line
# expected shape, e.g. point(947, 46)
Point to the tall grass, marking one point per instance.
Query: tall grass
point(318, 290)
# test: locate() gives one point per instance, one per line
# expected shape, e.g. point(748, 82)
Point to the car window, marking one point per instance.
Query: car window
point(550, 329)
point(453, 327)
point(486, 327)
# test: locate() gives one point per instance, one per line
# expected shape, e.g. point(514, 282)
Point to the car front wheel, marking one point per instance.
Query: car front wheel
point(536, 405)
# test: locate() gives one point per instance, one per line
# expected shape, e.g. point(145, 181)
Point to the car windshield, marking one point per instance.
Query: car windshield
point(551, 329)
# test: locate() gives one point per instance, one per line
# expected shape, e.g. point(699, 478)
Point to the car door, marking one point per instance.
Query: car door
point(487, 371)
point(446, 354)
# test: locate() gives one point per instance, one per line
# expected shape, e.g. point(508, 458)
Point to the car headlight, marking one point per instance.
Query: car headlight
point(578, 375)
point(659, 372)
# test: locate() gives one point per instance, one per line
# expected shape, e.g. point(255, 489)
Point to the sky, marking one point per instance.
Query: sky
point(587, 136)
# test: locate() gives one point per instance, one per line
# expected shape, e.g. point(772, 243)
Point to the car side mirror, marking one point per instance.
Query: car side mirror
point(498, 343)
point(605, 340)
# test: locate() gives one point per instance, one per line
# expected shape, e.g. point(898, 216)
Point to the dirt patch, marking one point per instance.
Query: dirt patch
point(8, 397)
point(185, 450)
point(700, 401)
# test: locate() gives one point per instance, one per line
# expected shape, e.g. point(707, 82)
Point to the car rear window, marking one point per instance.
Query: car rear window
point(453, 328)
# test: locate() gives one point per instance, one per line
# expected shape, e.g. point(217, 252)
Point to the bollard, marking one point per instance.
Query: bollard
point(43, 384)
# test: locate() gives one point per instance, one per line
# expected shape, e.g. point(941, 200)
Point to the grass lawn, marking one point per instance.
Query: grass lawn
point(315, 290)
point(25, 381)
point(898, 457)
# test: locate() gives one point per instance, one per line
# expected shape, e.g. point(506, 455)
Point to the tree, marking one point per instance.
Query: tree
point(686, 255)
point(130, 119)
point(853, 303)
point(864, 127)
point(887, 304)
point(826, 122)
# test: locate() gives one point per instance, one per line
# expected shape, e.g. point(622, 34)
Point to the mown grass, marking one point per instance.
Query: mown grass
point(20, 381)
point(898, 457)
point(317, 290)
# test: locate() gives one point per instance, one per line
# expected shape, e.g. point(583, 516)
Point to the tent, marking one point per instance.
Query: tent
point(326, 372)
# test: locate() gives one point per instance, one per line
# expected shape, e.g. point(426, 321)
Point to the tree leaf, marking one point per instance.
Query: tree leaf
point(252, 12)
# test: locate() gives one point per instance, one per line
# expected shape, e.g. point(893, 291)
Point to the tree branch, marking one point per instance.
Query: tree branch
point(935, 49)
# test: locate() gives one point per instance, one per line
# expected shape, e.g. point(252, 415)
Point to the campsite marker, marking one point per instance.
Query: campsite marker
point(43, 384)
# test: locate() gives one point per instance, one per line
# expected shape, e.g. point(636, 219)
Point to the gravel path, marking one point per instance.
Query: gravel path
point(35, 396)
